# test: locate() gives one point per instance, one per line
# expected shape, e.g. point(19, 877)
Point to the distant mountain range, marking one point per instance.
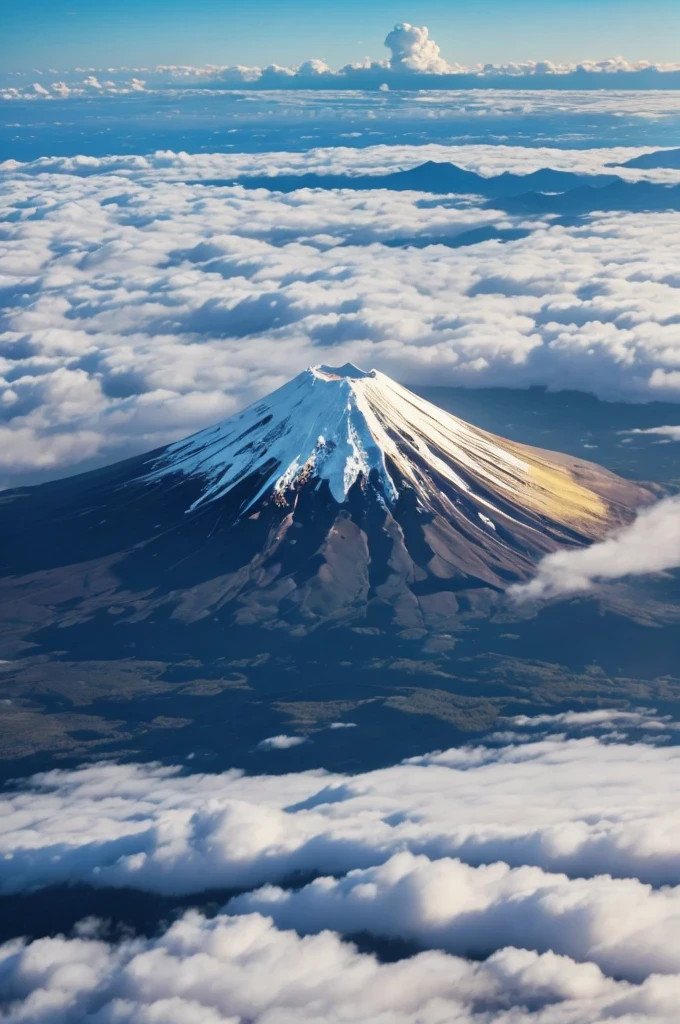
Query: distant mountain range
point(542, 191)
point(436, 177)
point(635, 197)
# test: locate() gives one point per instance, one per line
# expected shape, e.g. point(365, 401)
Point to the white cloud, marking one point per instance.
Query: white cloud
point(650, 544)
point(623, 926)
point(313, 67)
point(604, 718)
point(670, 432)
point(59, 89)
point(281, 742)
point(668, 380)
point(483, 158)
point(413, 50)
point(227, 970)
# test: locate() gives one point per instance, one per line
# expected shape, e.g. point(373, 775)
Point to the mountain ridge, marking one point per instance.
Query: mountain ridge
point(439, 177)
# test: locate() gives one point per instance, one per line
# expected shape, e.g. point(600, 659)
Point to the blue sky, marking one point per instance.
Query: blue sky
point(64, 33)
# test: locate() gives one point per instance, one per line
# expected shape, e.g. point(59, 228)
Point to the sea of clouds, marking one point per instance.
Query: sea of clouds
point(538, 873)
point(140, 304)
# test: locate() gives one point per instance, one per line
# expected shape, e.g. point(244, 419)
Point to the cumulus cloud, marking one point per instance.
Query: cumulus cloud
point(227, 970)
point(650, 544)
point(600, 718)
point(412, 49)
point(140, 305)
point(623, 926)
point(88, 86)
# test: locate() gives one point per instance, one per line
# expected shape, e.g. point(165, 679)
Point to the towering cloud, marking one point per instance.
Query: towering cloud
point(412, 49)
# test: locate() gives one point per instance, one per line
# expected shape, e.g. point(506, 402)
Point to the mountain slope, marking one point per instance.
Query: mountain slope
point(342, 497)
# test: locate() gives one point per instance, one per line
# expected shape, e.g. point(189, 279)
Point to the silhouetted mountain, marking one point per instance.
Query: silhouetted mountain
point(660, 158)
point(485, 233)
point(635, 197)
point(432, 176)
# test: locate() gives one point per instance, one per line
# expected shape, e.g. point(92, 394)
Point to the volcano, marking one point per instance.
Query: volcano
point(340, 499)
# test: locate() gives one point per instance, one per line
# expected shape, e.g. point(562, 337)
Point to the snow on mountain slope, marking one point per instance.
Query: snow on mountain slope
point(317, 424)
point(342, 425)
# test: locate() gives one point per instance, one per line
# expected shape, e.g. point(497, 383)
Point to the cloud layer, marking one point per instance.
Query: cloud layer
point(622, 926)
point(415, 59)
point(152, 828)
point(228, 970)
point(550, 854)
point(140, 305)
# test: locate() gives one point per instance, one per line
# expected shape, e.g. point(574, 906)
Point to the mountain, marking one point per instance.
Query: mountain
point(632, 196)
point(432, 176)
point(660, 158)
point(474, 236)
point(341, 498)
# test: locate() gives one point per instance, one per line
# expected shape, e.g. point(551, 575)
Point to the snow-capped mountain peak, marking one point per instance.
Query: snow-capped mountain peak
point(319, 425)
point(340, 497)
point(340, 425)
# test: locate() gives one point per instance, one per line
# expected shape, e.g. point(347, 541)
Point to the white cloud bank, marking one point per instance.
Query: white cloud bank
point(243, 970)
point(650, 544)
point(483, 158)
point(152, 828)
point(622, 926)
point(140, 305)
point(414, 58)
point(536, 855)
point(90, 86)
